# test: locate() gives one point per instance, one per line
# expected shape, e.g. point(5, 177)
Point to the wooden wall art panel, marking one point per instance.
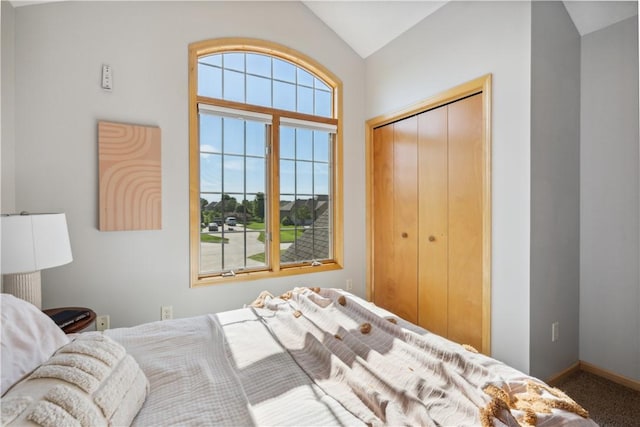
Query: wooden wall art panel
point(129, 158)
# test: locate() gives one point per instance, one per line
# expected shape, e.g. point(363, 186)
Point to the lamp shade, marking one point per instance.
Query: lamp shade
point(34, 242)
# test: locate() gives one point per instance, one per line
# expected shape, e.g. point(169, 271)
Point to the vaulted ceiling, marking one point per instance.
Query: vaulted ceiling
point(367, 26)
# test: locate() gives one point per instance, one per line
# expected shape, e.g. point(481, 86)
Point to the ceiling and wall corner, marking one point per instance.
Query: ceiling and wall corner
point(369, 25)
point(590, 16)
point(366, 26)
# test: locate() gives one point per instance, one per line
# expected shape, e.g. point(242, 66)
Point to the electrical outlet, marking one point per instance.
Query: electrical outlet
point(349, 286)
point(555, 331)
point(166, 312)
point(102, 323)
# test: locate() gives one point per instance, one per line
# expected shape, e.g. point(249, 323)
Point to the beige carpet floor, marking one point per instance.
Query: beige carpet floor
point(609, 404)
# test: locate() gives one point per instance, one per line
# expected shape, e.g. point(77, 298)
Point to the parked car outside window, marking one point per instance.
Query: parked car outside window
point(213, 226)
point(230, 221)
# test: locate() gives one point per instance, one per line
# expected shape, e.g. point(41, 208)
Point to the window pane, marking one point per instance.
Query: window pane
point(321, 146)
point(304, 146)
point(287, 177)
point(321, 179)
point(255, 175)
point(256, 249)
point(259, 64)
point(234, 61)
point(304, 177)
point(319, 84)
point(258, 91)
point(215, 59)
point(233, 169)
point(232, 196)
point(242, 243)
point(259, 214)
point(322, 103)
point(233, 135)
point(284, 96)
point(209, 203)
point(209, 81)
point(304, 78)
point(210, 240)
point(210, 133)
point(230, 202)
point(211, 173)
point(283, 70)
point(287, 143)
point(311, 241)
point(255, 139)
point(305, 100)
point(233, 86)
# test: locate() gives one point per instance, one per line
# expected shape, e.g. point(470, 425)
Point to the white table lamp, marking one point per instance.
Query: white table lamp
point(30, 243)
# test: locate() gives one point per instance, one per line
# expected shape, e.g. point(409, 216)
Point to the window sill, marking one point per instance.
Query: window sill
point(265, 274)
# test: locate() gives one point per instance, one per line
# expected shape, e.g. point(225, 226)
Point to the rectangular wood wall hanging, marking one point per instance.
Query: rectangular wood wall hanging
point(130, 176)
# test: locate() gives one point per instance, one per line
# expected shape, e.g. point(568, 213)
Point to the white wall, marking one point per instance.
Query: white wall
point(555, 188)
point(60, 48)
point(459, 42)
point(610, 254)
point(7, 147)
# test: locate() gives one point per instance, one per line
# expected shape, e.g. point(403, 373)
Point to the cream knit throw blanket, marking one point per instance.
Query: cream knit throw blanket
point(382, 369)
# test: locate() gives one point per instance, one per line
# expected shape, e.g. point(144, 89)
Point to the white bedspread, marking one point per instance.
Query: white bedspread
point(310, 360)
point(197, 380)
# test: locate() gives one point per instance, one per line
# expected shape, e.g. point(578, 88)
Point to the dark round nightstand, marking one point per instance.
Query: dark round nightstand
point(72, 319)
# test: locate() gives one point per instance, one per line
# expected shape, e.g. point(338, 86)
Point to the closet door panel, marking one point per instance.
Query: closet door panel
point(405, 223)
point(433, 221)
point(385, 286)
point(465, 221)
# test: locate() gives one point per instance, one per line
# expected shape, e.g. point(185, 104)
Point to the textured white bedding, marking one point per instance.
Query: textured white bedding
point(224, 369)
point(307, 361)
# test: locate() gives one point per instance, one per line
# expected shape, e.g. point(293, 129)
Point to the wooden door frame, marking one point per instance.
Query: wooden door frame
point(480, 85)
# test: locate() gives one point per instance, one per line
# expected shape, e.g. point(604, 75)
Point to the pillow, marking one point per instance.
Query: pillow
point(90, 381)
point(29, 337)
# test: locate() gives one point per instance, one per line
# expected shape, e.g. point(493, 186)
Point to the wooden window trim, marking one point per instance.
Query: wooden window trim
point(221, 45)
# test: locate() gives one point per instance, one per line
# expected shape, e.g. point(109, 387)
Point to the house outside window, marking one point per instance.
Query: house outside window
point(265, 162)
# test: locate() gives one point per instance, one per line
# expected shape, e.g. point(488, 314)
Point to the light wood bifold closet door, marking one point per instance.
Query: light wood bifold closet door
point(428, 219)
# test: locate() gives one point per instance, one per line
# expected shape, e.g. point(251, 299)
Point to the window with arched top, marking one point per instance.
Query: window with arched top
point(265, 162)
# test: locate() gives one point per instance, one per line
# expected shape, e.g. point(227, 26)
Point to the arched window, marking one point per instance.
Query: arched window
point(265, 162)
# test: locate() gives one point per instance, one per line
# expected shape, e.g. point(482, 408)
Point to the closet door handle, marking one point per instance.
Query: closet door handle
point(432, 238)
point(405, 235)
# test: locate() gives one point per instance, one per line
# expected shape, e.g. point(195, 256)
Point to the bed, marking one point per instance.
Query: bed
point(308, 357)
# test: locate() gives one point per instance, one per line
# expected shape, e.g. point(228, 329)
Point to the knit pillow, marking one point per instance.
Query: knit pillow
point(91, 381)
point(29, 337)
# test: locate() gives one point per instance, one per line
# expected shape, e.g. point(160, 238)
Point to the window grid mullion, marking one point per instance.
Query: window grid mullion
point(222, 158)
point(295, 190)
point(244, 193)
point(313, 195)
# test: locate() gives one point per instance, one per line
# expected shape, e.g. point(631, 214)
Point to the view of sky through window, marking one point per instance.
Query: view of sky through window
point(264, 81)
